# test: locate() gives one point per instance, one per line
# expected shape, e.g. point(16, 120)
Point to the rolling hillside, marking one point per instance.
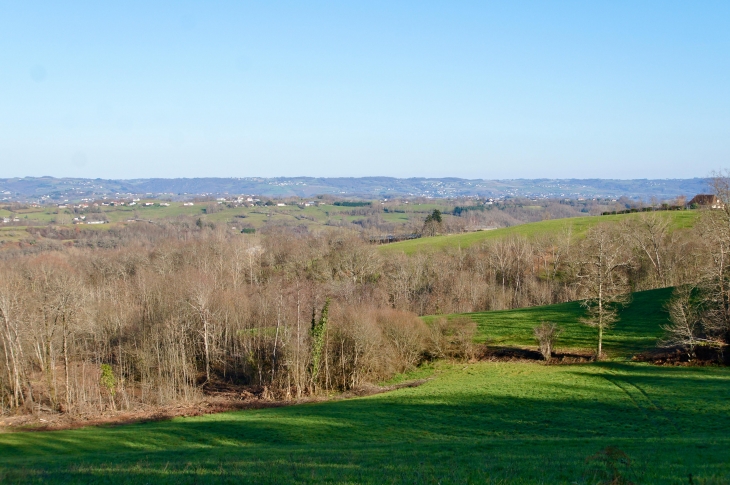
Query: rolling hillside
point(576, 225)
point(638, 327)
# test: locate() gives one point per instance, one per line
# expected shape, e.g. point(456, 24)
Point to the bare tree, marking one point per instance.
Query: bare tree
point(714, 231)
point(601, 274)
point(200, 302)
point(686, 330)
point(10, 315)
point(650, 234)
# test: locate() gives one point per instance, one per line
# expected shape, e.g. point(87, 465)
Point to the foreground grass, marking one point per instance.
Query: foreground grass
point(576, 225)
point(637, 330)
point(481, 423)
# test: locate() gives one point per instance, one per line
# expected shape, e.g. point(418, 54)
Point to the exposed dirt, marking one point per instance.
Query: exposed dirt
point(518, 354)
point(217, 400)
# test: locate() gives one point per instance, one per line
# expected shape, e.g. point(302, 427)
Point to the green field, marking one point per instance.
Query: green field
point(257, 217)
point(638, 327)
point(485, 422)
point(576, 225)
point(477, 423)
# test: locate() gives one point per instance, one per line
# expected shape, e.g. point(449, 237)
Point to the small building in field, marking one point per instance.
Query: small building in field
point(707, 201)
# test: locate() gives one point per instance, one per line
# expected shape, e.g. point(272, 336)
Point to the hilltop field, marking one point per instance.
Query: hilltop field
point(575, 226)
point(479, 422)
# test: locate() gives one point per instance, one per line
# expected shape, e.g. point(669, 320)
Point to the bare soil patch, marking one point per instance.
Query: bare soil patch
point(219, 399)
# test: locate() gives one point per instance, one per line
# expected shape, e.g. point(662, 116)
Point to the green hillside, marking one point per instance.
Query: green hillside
point(637, 329)
point(577, 225)
point(495, 423)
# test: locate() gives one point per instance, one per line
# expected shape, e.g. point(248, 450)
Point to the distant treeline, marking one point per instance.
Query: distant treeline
point(663, 207)
point(352, 204)
point(459, 209)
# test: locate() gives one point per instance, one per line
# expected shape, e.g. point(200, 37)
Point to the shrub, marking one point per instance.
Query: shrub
point(546, 334)
point(452, 338)
point(406, 334)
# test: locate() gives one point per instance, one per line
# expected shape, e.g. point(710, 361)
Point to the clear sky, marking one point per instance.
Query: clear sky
point(611, 89)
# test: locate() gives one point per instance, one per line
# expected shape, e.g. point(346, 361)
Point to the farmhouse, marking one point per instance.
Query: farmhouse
point(707, 201)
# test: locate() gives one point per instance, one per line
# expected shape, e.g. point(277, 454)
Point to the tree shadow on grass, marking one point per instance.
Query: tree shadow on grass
point(471, 441)
point(539, 430)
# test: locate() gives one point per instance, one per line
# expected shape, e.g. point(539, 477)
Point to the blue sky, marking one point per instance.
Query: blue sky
point(479, 90)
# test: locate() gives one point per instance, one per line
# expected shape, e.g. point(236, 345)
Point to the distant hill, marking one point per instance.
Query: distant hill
point(577, 225)
point(365, 187)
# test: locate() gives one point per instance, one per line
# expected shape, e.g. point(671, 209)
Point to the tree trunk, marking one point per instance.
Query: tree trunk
point(65, 368)
point(207, 349)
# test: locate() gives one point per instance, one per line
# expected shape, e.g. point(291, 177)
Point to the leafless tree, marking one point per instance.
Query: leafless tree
point(601, 274)
point(686, 329)
point(651, 236)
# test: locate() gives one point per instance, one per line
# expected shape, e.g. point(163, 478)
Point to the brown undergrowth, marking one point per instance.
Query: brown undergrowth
point(220, 399)
point(704, 356)
point(519, 354)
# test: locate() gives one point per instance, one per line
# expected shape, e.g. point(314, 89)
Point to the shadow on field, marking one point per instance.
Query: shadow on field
point(517, 354)
point(541, 433)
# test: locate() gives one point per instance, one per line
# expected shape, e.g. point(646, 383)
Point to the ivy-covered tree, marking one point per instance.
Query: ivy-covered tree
point(318, 331)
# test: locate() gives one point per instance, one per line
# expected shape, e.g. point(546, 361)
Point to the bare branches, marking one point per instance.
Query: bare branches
point(687, 330)
point(546, 334)
point(175, 312)
point(601, 271)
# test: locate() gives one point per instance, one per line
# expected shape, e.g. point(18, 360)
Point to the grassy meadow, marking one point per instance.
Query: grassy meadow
point(471, 423)
point(576, 226)
point(638, 327)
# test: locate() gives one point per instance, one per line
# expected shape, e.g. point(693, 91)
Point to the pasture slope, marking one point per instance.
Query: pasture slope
point(483, 422)
point(637, 329)
point(576, 225)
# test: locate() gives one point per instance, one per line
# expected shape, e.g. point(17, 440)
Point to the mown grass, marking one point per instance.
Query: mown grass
point(638, 327)
point(576, 225)
point(478, 423)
